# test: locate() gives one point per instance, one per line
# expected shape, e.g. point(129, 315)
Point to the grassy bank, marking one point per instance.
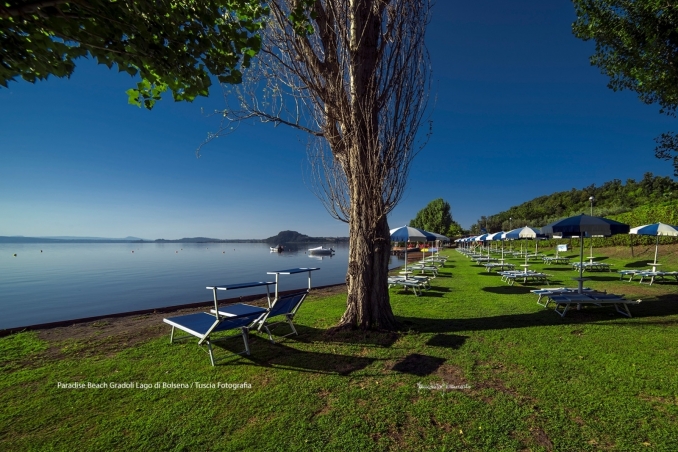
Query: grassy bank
point(477, 365)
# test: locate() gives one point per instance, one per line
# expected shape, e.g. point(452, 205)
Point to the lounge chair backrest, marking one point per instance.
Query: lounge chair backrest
point(287, 304)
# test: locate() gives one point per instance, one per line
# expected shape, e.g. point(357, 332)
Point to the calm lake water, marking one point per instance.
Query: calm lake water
point(70, 281)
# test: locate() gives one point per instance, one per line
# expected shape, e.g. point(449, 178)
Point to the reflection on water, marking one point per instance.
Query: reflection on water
point(62, 281)
point(319, 258)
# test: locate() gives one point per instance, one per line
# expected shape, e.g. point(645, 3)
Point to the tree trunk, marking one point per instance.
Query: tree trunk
point(369, 239)
point(367, 304)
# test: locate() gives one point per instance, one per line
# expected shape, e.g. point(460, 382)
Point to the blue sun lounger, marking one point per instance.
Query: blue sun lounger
point(286, 306)
point(563, 302)
point(417, 286)
point(203, 325)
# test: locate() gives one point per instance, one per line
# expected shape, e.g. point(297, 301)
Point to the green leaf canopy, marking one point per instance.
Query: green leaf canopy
point(435, 217)
point(171, 44)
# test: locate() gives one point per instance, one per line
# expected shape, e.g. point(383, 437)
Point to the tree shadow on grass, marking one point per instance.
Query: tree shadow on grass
point(438, 289)
point(509, 321)
point(636, 264)
point(431, 293)
point(662, 306)
point(420, 365)
point(601, 276)
point(280, 356)
point(452, 341)
point(508, 290)
point(309, 334)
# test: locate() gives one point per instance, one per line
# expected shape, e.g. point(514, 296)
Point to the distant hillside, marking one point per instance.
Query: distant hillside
point(66, 239)
point(282, 237)
point(612, 198)
point(195, 240)
point(295, 237)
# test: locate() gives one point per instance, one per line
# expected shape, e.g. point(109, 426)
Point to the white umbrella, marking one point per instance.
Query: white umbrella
point(524, 233)
point(655, 229)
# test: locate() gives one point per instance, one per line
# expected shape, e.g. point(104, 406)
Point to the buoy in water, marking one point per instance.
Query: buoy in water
point(132, 251)
point(14, 254)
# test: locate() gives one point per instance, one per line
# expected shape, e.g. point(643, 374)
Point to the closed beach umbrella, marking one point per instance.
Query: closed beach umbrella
point(584, 226)
point(656, 229)
point(498, 236)
point(524, 233)
point(481, 238)
point(407, 233)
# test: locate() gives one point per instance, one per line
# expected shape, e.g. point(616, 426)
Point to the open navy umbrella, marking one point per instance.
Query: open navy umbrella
point(407, 233)
point(441, 237)
point(584, 226)
point(655, 229)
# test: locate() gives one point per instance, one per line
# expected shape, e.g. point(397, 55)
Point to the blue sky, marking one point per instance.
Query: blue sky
point(519, 113)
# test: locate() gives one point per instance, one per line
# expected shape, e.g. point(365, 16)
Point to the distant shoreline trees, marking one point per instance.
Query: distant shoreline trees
point(437, 217)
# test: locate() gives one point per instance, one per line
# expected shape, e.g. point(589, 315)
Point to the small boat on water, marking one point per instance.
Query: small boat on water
point(277, 249)
point(320, 251)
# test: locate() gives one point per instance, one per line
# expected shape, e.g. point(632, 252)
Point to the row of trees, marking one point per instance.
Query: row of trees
point(611, 198)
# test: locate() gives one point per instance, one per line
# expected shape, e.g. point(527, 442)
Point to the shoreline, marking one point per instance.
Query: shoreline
point(327, 290)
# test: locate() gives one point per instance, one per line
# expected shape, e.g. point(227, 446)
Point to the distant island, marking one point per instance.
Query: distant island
point(295, 237)
point(281, 238)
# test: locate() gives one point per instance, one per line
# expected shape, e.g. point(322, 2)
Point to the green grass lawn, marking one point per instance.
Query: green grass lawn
point(477, 365)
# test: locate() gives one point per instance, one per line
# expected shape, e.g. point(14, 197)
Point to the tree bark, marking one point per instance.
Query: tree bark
point(367, 304)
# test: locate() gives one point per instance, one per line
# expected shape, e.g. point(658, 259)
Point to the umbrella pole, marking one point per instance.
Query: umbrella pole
point(406, 257)
point(581, 263)
point(656, 248)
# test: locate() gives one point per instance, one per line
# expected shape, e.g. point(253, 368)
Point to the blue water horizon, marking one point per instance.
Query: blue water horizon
point(52, 282)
